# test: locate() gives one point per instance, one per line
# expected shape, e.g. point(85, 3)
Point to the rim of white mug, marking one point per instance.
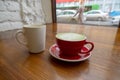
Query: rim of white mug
point(33, 26)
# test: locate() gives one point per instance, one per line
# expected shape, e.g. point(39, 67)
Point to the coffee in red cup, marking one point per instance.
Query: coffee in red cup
point(71, 44)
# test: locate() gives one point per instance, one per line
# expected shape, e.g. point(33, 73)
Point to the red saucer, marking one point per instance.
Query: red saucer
point(55, 52)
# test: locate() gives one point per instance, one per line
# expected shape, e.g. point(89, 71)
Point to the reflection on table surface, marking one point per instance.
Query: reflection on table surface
point(16, 63)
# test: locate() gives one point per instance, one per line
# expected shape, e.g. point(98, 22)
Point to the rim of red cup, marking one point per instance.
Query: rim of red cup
point(71, 40)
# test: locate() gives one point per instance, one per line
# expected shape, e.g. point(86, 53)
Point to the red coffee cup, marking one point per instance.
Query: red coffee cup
point(71, 44)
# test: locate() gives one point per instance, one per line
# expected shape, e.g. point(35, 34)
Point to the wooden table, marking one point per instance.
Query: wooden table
point(16, 63)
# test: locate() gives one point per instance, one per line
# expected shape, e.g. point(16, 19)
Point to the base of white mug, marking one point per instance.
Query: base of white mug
point(31, 52)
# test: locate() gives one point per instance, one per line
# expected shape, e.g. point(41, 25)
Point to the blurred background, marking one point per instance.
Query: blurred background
point(95, 12)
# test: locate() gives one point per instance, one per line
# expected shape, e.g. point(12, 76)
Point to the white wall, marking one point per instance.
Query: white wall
point(46, 5)
point(10, 15)
point(15, 13)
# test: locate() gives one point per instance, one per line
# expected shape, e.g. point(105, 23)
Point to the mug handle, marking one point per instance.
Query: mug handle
point(18, 39)
point(92, 46)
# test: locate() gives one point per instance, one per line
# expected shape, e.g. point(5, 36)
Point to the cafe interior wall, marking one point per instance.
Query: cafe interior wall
point(15, 13)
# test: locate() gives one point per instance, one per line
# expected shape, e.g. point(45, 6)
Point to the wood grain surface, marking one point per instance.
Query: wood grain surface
point(16, 63)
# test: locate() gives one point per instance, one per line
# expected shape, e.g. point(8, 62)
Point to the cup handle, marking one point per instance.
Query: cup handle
point(18, 39)
point(92, 46)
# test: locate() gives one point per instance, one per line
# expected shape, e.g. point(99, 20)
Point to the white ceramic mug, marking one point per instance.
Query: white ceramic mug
point(35, 37)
